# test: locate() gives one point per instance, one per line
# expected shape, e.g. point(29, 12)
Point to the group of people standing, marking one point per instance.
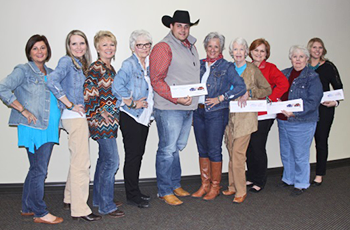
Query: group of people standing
point(93, 100)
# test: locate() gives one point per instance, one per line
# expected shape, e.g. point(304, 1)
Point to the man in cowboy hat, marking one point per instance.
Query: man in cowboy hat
point(173, 61)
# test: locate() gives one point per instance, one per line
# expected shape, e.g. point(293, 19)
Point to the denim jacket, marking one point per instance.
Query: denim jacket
point(130, 82)
point(67, 80)
point(308, 87)
point(26, 84)
point(223, 80)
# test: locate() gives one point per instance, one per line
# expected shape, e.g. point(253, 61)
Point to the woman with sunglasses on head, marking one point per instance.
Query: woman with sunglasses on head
point(134, 93)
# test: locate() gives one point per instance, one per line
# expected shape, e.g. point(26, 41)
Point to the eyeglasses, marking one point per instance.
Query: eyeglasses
point(142, 46)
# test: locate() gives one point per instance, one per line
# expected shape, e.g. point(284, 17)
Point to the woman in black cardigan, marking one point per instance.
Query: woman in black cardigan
point(329, 76)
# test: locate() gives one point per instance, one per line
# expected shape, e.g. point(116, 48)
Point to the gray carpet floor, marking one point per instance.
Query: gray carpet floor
point(323, 207)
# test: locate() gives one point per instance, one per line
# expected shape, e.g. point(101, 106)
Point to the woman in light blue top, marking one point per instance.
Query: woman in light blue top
point(134, 93)
point(66, 83)
point(35, 113)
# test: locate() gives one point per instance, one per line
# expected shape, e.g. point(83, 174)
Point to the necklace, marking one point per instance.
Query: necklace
point(314, 67)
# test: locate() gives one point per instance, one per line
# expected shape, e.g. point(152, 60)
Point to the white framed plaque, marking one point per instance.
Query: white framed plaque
point(333, 95)
point(290, 106)
point(252, 106)
point(191, 90)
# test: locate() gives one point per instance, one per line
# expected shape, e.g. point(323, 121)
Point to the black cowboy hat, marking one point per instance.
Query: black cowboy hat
point(181, 16)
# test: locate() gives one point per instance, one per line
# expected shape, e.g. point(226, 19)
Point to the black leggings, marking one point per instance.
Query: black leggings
point(134, 139)
point(256, 154)
point(321, 138)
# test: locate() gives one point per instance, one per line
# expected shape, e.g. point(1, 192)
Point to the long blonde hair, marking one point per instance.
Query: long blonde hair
point(86, 58)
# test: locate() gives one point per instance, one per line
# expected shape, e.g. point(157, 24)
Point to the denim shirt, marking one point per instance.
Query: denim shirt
point(307, 87)
point(67, 80)
point(222, 76)
point(26, 84)
point(130, 82)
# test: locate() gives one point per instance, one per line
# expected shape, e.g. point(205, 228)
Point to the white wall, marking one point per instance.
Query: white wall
point(282, 23)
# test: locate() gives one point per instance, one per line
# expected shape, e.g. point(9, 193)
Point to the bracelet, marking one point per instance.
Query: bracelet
point(22, 110)
point(268, 100)
point(70, 108)
point(219, 99)
point(132, 105)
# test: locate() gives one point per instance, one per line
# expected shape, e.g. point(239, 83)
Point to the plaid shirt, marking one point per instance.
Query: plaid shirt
point(160, 60)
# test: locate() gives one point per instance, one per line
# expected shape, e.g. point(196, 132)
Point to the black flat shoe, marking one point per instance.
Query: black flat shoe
point(297, 192)
point(141, 204)
point(145, 197)
point(283, 185)
point(90, 217)
point(116, 214)
point(66, 206)
point(316, 184)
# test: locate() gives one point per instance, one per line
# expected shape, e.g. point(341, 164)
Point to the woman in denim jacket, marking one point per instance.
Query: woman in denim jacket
point(210, 119)
point(36, 115)
point(296, 129)
point(66, 83)
point(134, 94)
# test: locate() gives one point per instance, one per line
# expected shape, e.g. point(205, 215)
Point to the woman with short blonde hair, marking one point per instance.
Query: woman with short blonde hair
point(103, 117)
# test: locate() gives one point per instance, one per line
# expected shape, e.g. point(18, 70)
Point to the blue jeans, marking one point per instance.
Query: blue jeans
point(106, 168)
point(33, 188)
point(173, 130)
point(295, 142)
point(209, 128)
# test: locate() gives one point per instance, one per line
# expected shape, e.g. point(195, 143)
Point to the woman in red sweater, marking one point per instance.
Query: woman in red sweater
point(259, 52)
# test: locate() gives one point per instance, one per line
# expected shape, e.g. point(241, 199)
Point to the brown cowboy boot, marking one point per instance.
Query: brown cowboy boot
point(216, 168)
point(204, 165)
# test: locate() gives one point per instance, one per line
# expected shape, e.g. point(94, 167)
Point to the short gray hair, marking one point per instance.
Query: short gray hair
point(239, 41)
point(296, 48)
point(213, 35)
point(137, 34)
